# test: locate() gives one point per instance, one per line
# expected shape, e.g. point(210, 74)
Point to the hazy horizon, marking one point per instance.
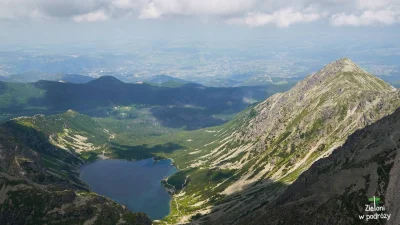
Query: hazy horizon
point(201, 37)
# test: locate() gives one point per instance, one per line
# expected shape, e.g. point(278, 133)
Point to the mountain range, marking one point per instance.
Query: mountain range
point(190, 106)
point(36, 76)
point(164, 80)
point(311, 155)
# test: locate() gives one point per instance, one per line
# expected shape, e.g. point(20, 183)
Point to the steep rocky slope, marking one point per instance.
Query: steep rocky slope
point(39, 184)
point(336, 189)
point(270, 144)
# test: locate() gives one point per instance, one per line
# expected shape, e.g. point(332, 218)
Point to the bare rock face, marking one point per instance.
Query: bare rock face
point(392, 194)
point(336, 189)
point(278, 139)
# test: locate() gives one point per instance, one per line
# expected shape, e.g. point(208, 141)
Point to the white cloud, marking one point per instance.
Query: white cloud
point(150, 12)
point(375, 4)
point(282, 13)
point(125, 4)
point(157, 8)
point(281, 18)
point(91, 17)
point(369, 17)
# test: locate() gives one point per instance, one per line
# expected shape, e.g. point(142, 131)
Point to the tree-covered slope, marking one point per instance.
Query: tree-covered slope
point(189, 106)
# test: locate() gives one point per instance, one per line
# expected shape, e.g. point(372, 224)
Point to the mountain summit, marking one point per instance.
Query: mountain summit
point(276, 140)
point(343, 74)
point(345, 65)
point(105, 81)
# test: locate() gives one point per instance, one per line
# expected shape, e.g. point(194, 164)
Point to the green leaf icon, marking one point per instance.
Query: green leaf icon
point(376, 200)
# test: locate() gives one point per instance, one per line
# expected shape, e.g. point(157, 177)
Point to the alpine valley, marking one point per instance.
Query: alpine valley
point(312, 153)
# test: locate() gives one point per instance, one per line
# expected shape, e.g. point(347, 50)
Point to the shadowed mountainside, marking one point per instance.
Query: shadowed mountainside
point(190, 106)
point(40, 184)
point(336, 189)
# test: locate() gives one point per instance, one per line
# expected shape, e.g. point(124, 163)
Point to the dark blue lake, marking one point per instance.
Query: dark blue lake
point(134, 184)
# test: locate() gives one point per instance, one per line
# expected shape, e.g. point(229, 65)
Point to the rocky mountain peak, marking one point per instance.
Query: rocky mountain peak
point(346, 65)
point(343, 65)
point(343, 74)
point(279, 138)
point(71, 112)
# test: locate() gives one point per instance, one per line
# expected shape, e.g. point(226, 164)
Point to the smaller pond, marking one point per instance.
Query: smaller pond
point(136, 184)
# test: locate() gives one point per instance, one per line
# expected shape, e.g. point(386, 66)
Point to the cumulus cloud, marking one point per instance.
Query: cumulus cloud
point(283, 13)
point(16, 9)
point(150, 12)
point(369, 17)
point(375, 4)
point(281, 18)
point(156, 8)
point(91, 17)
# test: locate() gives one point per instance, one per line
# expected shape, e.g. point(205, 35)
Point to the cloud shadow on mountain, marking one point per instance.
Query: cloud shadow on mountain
point(143, 151)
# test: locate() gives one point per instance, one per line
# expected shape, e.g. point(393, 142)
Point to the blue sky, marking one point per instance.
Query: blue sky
point(368, 31)
point(114, 22)
point(54, 20)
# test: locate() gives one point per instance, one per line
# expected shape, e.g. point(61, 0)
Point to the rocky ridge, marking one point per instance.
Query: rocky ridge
point(272, 143)
point(336, 189)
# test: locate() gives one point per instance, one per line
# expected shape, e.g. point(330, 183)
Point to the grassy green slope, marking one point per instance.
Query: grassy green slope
point(116, 140)
point(12, 94)
point(90, 138)
point(40, 182)
point(15, 97)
